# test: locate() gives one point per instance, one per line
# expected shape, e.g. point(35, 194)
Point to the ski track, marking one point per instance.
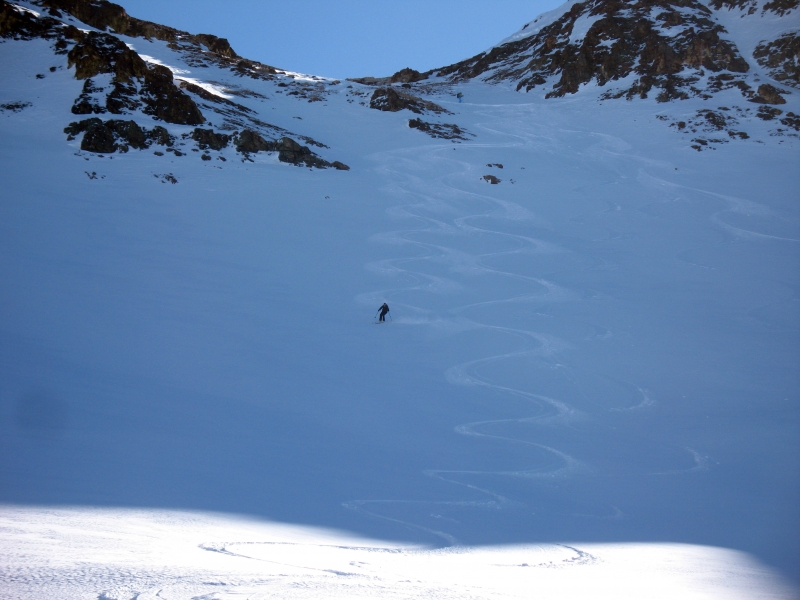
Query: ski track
point(449, 198)
point(537, 346)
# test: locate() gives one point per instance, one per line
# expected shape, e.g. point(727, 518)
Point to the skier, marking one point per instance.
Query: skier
point(459, 95)
point(383, 310)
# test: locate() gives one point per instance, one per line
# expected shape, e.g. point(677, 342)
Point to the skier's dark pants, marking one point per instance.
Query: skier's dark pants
point(383, 315)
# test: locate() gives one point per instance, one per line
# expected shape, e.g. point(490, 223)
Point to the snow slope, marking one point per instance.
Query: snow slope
point(162, 554)
point(600, 351)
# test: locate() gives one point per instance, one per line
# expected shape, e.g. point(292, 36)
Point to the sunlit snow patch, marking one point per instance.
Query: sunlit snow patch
point(26, 9)
point(105, 553)
point(539, 23)
point(179, 74)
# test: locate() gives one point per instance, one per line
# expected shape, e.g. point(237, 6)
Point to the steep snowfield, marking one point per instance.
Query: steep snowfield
point(591, 365)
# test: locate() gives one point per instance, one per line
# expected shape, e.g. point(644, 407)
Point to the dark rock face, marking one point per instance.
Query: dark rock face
point(392, 100)
point(623, 38)
point(407, 75)
point(106, 15)
point(250, 142)
point(159, 135)
point(491, 179)
point(129, 133)
point(98, 138)
point(768, 94)
point(447, 131)
point(289, 151)
point(207, 138)
point(20, 24)
point(165, 101)
point(216, 45)
point(99, 53)
point(782, 58)
point(109, 136)
point(196, 49)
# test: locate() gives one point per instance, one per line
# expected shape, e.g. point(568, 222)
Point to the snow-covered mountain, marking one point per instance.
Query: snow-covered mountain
point(740, 54)
point(588, 382)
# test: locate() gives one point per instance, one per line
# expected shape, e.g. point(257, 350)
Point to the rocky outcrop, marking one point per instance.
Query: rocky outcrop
point(117, 80)
point(219, 46)
point(656, 41)
point(407, 75)
point(768, 94)
point(208, 138)
point(165, 101)
point(96, 53)
point(491, 179)
point(393, 100)
point(20, 24)
point(403, 76)
point(251, 142)
point(134, 84)
point(792, 121)
point(106, 137)
point(781, 58)
point(104, 15)
point(116, 135)
point(289, 151)
point(197, 50)
point(447, 131)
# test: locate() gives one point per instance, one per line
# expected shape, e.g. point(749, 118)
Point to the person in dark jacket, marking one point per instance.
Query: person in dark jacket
point(383, 310)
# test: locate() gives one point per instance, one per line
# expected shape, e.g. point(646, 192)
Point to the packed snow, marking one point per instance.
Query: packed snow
point(587, 385)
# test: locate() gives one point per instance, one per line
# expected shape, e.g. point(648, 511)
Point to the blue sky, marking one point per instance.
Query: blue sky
point(349, 38)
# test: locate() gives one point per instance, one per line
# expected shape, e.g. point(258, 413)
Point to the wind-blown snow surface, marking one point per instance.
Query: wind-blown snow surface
point(600, 350)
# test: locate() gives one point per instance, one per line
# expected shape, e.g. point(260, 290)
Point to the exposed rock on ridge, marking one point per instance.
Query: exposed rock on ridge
point(654, 40)
point(134, 83)
point(104, 15)
point(118, 81)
